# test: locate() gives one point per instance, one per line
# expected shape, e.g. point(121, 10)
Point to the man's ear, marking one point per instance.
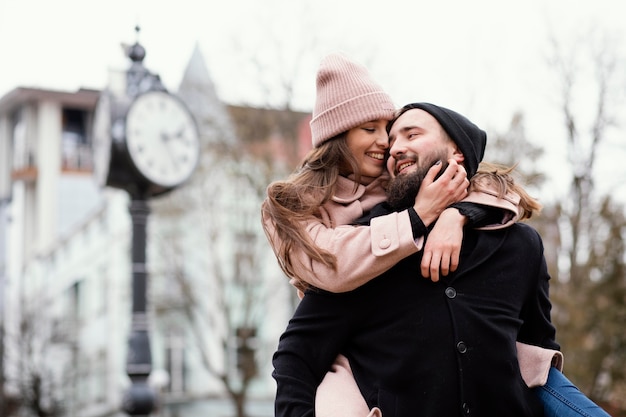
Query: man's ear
point(457, 155)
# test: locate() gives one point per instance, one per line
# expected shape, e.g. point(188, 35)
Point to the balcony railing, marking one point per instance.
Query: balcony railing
point(77, 158)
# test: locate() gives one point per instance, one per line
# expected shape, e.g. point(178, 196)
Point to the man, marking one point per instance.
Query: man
point(419, 348)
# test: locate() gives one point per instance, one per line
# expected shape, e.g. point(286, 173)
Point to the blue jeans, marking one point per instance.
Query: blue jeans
point(561, 398)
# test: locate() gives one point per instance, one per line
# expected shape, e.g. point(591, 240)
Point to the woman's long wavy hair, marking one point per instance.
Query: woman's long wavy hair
point(291, 203)
point(501, 177)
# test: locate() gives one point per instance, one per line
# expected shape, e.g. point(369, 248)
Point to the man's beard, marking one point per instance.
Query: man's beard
point(402, 189)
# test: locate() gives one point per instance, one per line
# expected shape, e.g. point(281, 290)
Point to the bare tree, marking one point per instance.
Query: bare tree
point(9, 401)
point(212, 273)
point(590, 287)
point(214, 278)
point(30, 387)
point(590, 318)
point(512, 148)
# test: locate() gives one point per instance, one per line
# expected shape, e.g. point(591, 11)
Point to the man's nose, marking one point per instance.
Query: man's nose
point(397, 148)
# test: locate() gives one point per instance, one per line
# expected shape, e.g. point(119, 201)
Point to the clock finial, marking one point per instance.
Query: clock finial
point(136, 52)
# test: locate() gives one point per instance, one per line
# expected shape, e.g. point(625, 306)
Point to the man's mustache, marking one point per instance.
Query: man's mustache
point(402, 189)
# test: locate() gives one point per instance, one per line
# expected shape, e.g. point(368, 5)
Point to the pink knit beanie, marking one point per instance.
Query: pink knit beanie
point(346, 98)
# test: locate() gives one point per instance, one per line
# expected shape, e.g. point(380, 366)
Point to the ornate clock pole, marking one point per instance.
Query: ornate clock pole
point(139, 399)
point(145, 142)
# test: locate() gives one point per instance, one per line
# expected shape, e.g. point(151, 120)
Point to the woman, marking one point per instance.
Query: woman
point(307, 216)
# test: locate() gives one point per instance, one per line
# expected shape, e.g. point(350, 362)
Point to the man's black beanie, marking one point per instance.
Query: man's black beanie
point(470, 139)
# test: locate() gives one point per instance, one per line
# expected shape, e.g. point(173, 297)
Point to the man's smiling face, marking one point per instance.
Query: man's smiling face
point(415, 136)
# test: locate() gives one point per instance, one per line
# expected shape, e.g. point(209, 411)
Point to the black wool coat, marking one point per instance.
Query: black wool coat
point(424, 349)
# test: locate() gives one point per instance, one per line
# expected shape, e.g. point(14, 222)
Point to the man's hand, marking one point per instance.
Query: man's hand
point(443, 246)
point(435, 196)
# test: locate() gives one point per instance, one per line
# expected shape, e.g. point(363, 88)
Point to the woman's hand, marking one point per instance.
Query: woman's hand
point(443, 246)
point(436, 194)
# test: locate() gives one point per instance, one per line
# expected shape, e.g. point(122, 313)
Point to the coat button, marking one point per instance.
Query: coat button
point(385, 243)
point(450, 292)
point(461, 347)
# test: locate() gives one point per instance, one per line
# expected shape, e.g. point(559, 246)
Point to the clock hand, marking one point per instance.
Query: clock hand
point(176, 135)
point(179, 133)
point(165, 138)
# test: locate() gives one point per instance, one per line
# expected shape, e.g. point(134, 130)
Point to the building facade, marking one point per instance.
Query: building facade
point(217, 299)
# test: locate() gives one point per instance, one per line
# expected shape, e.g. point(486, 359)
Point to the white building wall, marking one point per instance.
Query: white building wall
point(25, 155)
point(48, 145)
point(5, 159)
point(13, 284)
point(97, 260)
point(80, 340)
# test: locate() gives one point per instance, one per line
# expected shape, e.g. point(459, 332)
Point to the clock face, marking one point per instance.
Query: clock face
point(162, 138)
point(101, 142)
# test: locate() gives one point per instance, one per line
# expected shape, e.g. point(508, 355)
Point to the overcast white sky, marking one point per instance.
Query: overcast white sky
point(484, 58)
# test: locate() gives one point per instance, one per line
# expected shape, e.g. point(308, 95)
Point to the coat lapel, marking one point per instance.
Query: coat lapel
point(478, 248)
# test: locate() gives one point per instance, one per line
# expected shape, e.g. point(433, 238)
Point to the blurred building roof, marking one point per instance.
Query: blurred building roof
point(273, 134)
point(83, 98)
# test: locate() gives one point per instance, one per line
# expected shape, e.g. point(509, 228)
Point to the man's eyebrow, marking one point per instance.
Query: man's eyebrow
point(404, 130)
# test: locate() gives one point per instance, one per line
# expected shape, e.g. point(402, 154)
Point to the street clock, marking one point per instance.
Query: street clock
point(161, 139)
point(146, 140)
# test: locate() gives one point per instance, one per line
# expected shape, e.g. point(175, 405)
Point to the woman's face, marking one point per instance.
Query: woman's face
point(369, 143)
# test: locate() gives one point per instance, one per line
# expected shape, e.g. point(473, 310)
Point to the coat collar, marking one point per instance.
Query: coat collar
point(345, 193)
point(478, 247)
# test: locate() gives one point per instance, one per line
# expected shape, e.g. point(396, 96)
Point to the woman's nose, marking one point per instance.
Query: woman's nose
point(383, 141)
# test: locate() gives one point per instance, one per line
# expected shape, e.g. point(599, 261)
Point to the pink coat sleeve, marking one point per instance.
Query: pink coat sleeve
point(362, 252)
point(509, 205)
point(535, 363)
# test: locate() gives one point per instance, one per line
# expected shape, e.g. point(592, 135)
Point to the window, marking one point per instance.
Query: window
point(244, 257)
point(247, 345)
point(76, 299)
point(175, 362)
point(23, 155)
point(75, 151)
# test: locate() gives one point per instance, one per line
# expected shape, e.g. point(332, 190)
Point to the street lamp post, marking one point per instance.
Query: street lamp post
point(139, 399)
